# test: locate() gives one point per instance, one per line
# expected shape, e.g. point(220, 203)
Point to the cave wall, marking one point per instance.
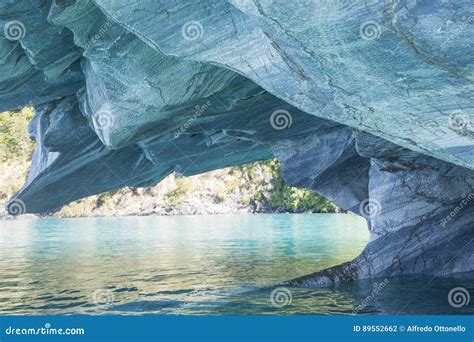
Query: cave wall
point(419, 209)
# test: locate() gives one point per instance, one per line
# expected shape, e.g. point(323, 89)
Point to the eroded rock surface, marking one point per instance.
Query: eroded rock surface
point(419, 210)
point(369, 103)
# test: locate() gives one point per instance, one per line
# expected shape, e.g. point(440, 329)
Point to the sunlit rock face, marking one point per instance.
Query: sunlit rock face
point(369, 103)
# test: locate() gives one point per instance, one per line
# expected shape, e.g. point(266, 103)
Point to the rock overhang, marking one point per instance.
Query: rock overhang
point(354, 98)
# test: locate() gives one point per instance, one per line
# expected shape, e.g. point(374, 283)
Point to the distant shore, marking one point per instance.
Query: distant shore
point(177, 210)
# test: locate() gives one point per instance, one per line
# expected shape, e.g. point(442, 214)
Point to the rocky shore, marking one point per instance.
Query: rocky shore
point(253, 188)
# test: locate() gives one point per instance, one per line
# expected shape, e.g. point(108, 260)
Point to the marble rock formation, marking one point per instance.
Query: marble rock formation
point(369, 103)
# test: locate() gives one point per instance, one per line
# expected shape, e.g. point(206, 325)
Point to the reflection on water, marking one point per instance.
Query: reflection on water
point(409, 295)
point(223, 264)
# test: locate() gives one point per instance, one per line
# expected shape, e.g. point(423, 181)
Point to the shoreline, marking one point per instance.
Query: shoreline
point(5, 217)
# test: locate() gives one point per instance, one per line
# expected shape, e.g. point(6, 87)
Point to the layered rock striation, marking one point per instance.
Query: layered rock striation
point(369, 103)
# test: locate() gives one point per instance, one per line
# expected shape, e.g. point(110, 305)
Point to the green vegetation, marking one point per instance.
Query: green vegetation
point(287, 198)
point(257, 186)
point(16, 149)
point(180, 192)
point(14, 140)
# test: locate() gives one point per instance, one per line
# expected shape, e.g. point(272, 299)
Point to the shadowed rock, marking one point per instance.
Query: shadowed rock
point(419, 209)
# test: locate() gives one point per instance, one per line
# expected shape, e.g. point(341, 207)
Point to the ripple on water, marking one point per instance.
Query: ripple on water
point(223, 264)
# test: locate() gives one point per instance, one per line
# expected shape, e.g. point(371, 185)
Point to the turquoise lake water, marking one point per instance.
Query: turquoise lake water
point(218, 264)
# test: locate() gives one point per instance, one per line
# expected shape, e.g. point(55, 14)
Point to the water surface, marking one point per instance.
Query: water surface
point(217, 264)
